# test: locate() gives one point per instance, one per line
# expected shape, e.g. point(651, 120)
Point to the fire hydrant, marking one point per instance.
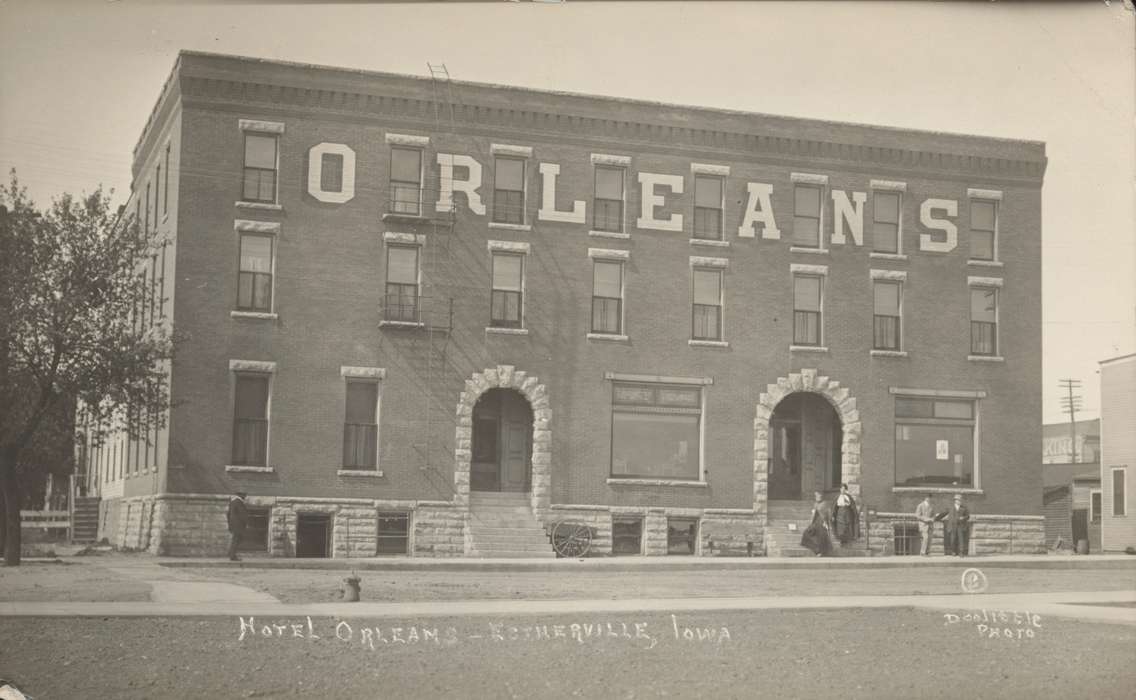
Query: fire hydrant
point(351, 589)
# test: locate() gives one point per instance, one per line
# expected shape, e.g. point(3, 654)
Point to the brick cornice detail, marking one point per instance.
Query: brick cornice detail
point(731, 145)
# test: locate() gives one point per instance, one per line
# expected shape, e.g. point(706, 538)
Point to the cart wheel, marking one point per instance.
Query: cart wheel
point(571, 539)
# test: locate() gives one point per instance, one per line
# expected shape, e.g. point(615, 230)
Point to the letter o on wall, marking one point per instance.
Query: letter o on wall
point(315, 173)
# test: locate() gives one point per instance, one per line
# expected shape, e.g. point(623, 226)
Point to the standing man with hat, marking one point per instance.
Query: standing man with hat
point(958, 528)
point(238, 519)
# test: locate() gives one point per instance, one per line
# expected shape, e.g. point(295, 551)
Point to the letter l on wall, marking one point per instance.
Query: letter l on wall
point(547, 212)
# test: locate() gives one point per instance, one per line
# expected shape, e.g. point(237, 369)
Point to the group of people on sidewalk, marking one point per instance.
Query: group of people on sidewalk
point(841, 519)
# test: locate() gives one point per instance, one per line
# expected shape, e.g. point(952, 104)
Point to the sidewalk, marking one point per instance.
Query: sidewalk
point(1008, 561)
point(1086, 606)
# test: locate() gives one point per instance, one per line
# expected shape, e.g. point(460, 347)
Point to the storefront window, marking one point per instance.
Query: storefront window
point(934, 442)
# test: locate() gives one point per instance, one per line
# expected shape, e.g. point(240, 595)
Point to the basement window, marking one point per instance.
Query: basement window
point(626, 536)
point(255, 538)
point(394, 533)
point(682, 535)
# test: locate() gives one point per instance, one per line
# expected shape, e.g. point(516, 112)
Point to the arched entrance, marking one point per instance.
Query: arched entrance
point(502, 442)
point(805, 447)
point(841, 401)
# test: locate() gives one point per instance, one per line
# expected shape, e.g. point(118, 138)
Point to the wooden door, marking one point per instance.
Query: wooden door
point(785, 460)
point(516, 431)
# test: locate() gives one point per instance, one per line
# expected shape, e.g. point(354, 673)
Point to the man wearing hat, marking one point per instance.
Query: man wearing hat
point(958, 528)
point(238, 519)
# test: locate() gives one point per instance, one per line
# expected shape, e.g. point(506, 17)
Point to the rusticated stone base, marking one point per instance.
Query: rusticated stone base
point(989, 534)
point(721, 532)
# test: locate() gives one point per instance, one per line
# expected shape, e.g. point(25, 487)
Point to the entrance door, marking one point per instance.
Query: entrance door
point(785, 460)
point(502, 442)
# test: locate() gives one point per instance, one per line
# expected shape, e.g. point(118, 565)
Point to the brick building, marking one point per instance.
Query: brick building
point(439, 317)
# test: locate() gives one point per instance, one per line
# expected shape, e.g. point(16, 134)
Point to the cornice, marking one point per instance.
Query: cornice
point(603, 134)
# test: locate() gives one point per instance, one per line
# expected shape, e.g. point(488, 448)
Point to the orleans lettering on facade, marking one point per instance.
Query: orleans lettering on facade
point(656, 190)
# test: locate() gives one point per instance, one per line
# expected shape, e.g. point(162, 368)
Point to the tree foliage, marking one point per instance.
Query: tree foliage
point(71, 333)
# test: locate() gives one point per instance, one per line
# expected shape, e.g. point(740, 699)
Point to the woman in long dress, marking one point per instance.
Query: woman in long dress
point(817, 535)
point(845, 517)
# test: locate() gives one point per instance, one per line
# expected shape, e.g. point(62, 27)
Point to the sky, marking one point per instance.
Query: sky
point(78, 79)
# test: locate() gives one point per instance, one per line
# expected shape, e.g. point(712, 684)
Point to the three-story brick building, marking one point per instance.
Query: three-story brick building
point(439, 317)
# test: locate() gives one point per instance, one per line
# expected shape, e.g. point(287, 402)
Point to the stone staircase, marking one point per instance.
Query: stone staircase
point(780, 541)
point(85, 520)
point(502, 524)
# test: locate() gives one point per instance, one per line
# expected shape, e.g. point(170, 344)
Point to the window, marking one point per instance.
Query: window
point(906, 539)
point(983, 229)
point(885, 328)
point(250, 420)
point(406, 181)
point(708, 207)
point(983, 321)
point(626, 535)
point(607, 297)
point(885, 222)
point(1095, 506)
point(260, 168)
point(655, 431)
point(934, 442)
point(508, 274)
point(157, 194)
point(1119, 496)
point(509, 191)
point(146, 222)
point(806, 310)
point(254, 283)
point(806, 216)
point(706, 314)
point(401, 302)
point(682, 535)
point(360, 425)
point(608, 211)
point(166, 184)
point(255, 537)
point(394, 533)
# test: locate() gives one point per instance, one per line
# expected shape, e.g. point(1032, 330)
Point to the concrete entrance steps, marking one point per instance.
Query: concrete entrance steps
point(502, 525)
point(85, 520)
point(780, 541)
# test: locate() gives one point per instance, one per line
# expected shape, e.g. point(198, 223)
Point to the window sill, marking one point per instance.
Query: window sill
point(610, 234)
point(709, 242)
point(807, 348)
point(370, 473)
point(510, 227)
point(708, 343)
point(245, 468)
point(887, 256)
point(814, 251)
point(889, 353)
point(254, 314)
point(507, 331)
point(260, 205)
point(401, 324)
point(608, 336)
point(986, 263)
point(615, 481)
point(395, 216)
point(985, 358)
point(938, 489)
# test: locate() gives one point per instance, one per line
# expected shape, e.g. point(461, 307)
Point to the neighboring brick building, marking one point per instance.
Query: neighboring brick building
point(434, 316)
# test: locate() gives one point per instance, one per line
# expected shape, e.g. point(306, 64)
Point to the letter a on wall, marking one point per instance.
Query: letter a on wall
point(346, 190)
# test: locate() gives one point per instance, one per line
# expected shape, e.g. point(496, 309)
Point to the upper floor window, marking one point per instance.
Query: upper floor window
point(509, 191)
point(146, 223)
point(260, 168)
point(360, 425)
point(708, 207)
point(983, 229)
point(886, 317)
point(934, 442)
point(983, 321)
point(401, 299)
point(507, 292)
point(406, 181)
point(250, 420)
point(885, 222)
point(806, 216)
point(607, 297)
point(807, 290)
point(706, 312)
point(254, 282)
point(166, 184)
point(608, 207)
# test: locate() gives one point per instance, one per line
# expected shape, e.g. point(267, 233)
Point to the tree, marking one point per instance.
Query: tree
point(71, 286)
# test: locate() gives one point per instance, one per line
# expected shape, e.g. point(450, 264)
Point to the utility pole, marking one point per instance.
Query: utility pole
point(1070, 404)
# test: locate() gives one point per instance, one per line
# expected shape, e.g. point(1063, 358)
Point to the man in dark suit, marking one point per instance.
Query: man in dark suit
point(238, 519)
point(958, 527)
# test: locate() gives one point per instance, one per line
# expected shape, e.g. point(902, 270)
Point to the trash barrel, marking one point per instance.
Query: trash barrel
point(1082, 546)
